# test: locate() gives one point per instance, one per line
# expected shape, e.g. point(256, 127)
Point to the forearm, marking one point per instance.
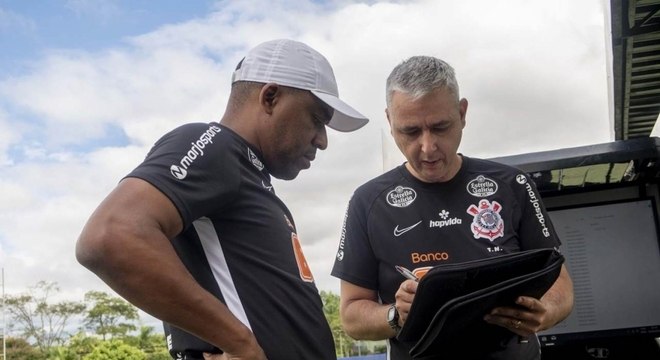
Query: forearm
point(558, 300)
point(147, 272)
point(366, 320)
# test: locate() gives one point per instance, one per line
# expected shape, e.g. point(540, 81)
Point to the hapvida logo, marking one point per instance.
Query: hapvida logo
point(443, 223)
point(446, 221)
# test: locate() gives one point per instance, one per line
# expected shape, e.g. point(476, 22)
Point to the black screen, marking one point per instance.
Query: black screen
point(613, 257)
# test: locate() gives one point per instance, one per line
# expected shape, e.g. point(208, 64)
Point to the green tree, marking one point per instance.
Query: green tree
point(108, 315)
point(20, 349)
point(40, 321)
point(343, 342)
point(153, 344)
point(61, 353)
point(115, 350)
point(77, 347)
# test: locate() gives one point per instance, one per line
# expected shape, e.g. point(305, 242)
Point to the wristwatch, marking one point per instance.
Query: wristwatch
point(393, 318)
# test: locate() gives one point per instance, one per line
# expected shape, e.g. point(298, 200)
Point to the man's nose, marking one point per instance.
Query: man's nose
point(321, 139)
point(428, 142)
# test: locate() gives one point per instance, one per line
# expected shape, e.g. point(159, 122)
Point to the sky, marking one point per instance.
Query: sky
point(87, 87)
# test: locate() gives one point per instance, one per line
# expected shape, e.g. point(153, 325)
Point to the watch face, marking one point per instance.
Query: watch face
point(393, 318)
point(391, 313)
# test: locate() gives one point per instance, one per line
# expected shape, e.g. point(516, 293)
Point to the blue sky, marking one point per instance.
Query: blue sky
point(87, 86)
point(30, 27)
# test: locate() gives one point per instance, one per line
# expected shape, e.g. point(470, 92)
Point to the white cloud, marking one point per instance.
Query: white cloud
point(530, 70)
point(76, 94)
point(8, 137)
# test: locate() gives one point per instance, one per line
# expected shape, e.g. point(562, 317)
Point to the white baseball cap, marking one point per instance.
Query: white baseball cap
point(294, 64)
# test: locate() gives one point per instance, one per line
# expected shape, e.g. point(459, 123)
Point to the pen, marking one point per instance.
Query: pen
point(406, 273)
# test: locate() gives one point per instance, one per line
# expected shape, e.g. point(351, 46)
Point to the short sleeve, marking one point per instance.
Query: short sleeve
point(536, 229)
point(194, 167)
point(355, 261)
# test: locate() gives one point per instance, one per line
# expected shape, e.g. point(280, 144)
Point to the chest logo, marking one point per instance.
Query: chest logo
point(399, 232)
point(445, 220)
point(481, 187)
point(401, 196)
point(255, 160)
point(303, 267)
point(487, 222)
point(267, 186)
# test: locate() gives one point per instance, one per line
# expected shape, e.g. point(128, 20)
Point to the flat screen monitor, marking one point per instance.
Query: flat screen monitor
point(613, 257)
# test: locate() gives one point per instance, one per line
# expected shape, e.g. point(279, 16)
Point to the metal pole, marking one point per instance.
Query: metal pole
point(4, 333)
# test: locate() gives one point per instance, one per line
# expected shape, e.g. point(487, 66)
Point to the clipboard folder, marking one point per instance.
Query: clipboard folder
point(452, 299)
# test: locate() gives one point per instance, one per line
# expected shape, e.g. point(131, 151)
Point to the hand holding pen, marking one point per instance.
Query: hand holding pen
point(406, 293)
point(406, 273)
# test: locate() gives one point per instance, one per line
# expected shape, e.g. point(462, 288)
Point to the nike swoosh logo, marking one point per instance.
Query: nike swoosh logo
point(399, 232)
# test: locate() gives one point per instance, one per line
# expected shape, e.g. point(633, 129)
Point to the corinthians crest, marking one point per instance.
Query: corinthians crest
point(487, 222)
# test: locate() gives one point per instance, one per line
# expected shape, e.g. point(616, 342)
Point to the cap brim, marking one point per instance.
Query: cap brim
point(345, 118)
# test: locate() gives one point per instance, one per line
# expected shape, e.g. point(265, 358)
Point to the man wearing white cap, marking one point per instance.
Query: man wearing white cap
point(196, 236)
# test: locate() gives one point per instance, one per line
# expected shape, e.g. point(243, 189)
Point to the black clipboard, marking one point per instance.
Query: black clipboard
point(452, 299)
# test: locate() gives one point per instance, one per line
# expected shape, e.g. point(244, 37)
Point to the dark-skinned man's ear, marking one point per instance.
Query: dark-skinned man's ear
point(269, 94)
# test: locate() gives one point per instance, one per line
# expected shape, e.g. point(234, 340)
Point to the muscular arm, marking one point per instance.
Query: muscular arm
point(364, 318)
point(126, 243)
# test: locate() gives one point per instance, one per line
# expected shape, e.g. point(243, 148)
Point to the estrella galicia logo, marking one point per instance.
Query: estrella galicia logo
point(401, 196)
point(180, 171)
point(482, 187)
point(255, 160)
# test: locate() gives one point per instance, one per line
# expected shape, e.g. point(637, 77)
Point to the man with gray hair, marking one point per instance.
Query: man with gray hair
point(440, 207)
